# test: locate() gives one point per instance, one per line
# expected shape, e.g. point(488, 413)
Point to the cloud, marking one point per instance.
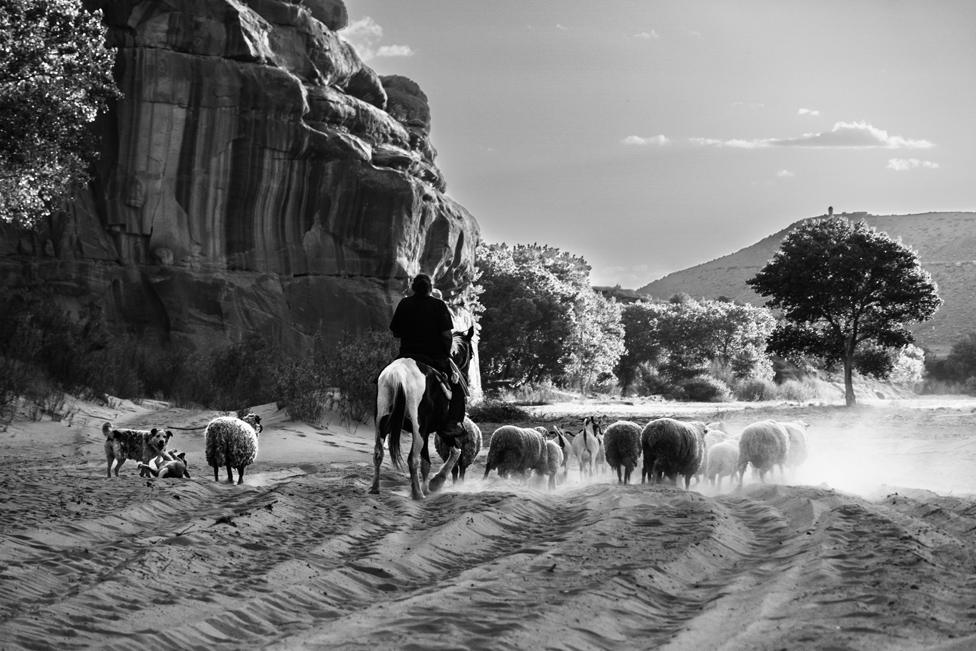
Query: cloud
point(808, 111)
point(394, 51)
point(785, 174)
point(905, 164)
point(648, 36)
point(852, 135)
point(659, 140)
point(365, 35)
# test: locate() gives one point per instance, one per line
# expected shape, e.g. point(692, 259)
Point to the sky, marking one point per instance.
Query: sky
point(651, 136)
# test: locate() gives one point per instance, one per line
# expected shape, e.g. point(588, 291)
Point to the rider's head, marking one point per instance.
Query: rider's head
point(421, 285)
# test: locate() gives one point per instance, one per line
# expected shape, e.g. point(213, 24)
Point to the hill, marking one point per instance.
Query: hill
point(946, 245)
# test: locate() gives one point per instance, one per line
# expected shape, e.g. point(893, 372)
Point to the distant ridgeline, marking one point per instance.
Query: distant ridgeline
point(945, 242)
point(257, 177)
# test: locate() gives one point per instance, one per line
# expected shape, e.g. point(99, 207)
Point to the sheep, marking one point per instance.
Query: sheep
point(586, 445)
point(470, 444)
point(672, 448)
point(721, 461)
point(554, 461)
point(796, 431)
point(232, 442)
point(516, 450)
point(622, 442)
point(763, 444)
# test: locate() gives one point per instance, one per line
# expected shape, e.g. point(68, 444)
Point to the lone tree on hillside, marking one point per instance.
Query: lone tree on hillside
point(55, 77)
point(847, 293)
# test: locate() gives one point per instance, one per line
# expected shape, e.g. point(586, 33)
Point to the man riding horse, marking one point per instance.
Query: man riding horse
point(424, 326)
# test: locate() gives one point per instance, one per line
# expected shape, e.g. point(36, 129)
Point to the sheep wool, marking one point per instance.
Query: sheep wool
point(622, 447)
point(671, 448)
point(722, 460)
point(515, 451)
point(232, 442)
point(764, 444)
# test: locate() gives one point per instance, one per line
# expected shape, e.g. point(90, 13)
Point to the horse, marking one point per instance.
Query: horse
point(407, 399)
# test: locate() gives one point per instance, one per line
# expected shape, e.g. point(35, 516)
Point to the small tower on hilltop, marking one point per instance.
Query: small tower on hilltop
point(830, 211)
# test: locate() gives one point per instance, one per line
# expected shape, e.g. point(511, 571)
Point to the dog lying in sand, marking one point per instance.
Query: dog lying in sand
point(135, 444)
point(171, 463)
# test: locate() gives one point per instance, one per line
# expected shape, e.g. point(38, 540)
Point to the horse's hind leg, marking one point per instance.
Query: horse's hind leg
point(377, 459)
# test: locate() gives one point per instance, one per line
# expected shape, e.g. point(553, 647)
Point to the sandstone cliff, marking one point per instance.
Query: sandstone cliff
point(945, 243)
point(256, 177)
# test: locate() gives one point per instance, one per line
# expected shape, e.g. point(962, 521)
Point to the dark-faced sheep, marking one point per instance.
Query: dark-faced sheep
point(622, 446)
point(470, 444)
point(516, 451)
point(672, 448)
point(764, 444)
point(722, 460)
point(232, 442)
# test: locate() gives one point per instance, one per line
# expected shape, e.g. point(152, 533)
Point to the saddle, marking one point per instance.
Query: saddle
point(444, 380)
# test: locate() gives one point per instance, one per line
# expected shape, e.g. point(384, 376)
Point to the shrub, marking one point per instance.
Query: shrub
point(301, 389)
point(497, 411)
point(705, 389)
point(354, 364)
point(754, 390)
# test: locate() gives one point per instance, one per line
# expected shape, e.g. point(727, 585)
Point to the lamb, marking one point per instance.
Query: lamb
point(622, 442)
point(672, 448)
point(586, 445)
point(516, 450)
point(722, 459)
point(470, 444)
point(796, 431)
point(763, 444)
point(554, 461)
point(232, 442)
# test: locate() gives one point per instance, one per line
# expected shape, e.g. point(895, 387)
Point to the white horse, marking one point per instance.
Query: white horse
point(406, 399)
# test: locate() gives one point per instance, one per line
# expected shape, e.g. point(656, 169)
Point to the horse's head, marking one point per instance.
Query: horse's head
point(461, 348)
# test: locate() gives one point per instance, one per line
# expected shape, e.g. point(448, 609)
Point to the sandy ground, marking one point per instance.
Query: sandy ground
point(871, 545)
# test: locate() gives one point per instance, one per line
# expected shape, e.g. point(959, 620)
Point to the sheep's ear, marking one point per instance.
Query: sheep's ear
point(153, 431)
point(169, 435)
point(182, 456)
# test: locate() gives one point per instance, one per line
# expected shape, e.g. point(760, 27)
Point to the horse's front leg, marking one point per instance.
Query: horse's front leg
point(438, 481)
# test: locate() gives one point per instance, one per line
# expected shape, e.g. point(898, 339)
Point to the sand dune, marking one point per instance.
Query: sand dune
point(840, 555)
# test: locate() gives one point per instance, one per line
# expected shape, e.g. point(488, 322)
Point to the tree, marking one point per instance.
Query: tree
point(541, 319)
point(55, 77)
point(844, 289)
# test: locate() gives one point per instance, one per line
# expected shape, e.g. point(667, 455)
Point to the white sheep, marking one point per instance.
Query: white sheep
point(622, 447)
point(470, 444)
point(232, 442)
point(516, 450)
point(565, 444)
point(671, 448)
point(721, 461)
point(797, 432)
point(763, 444)
point(554, 461)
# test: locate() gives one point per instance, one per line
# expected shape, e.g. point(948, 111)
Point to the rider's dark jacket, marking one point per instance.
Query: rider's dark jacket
point(419, 322)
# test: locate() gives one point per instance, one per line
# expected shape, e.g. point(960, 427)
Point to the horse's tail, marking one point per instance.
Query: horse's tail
point(395, 422)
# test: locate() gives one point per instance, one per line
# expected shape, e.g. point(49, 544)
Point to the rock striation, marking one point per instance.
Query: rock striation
point(258, 176)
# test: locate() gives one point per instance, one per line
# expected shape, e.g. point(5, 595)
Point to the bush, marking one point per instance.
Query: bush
point(705, 389)
point(497, 411)
point(755, 390)
point(353, 366)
